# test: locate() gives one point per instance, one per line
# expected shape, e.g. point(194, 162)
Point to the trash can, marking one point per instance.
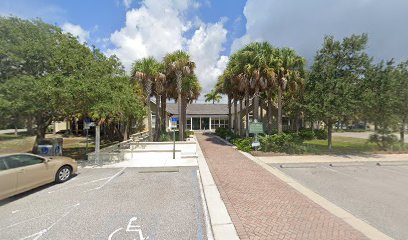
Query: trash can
point(50, 147)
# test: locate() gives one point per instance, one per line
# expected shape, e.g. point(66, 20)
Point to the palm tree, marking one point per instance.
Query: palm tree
point(146, 70)
point(260, 70)
point(290, 70)
point(179, 65)
point(213, 96)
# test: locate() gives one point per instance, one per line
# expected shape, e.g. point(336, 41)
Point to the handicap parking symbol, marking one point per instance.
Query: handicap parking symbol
point(132, 229)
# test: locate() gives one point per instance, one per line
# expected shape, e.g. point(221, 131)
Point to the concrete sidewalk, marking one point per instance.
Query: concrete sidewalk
point(375, 158)
point(261, 205)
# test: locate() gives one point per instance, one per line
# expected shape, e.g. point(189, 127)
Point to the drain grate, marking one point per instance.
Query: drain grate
point(159, 169)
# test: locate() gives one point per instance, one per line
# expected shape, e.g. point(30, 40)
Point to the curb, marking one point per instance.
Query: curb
point(220, 221)
point(358, 224)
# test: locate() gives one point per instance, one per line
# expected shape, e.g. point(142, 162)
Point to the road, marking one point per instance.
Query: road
point(375, 194)
point(109, 203)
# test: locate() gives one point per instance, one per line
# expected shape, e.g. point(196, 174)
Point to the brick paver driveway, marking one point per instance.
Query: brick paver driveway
point(261, 206)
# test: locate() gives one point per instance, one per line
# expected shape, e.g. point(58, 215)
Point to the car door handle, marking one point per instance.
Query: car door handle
point(21, 171)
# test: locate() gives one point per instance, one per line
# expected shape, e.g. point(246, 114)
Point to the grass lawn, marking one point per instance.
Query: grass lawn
point(344, 145)
point(74, 147)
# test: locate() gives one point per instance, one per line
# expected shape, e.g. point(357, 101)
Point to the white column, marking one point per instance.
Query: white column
point(191, 125)
point(200, 123)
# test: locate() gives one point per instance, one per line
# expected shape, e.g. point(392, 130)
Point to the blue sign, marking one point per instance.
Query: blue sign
point(87, 120)
point(174, 119)
point(44, 150)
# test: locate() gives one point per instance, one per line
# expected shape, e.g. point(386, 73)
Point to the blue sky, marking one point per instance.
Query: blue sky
point(211, 29)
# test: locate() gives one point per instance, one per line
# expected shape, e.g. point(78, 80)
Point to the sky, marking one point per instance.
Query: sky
point(210, 30)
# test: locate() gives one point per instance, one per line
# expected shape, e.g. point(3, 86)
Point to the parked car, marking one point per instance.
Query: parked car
point(21, 172)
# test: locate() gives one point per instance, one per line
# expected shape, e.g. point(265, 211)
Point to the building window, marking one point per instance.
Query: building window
point(215, 123)
point(188, 124)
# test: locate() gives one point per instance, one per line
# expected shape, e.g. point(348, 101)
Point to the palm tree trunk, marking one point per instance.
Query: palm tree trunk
point(241, 125)
point(158, 118)
point(246, 113)
point(235, 116)
point(279, 110)
point(163, 124)
point(149, 121)
point(229, 113)
point(269, 113)
point(184, 114)
point(256, 103)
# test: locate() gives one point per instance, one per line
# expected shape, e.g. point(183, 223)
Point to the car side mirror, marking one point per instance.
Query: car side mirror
point(46, 160)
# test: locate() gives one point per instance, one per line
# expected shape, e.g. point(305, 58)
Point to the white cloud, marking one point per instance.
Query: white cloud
point(154, 29)
point(159, 26)
point(76, 30)
point(205, 48)
point(303, 24)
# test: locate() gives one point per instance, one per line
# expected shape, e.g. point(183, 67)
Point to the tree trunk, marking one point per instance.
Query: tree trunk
point(158, 119)
point(279, 110)
point(297, 122)
point(269, 113)
point(163, 113)
point(229, 113)
point(76, 126)
point(246, 113)
point(329, 135)
point(256, 103)
point(126, 131)
point(30, 124)
point(241, 125)
point(236, 116)
point(184, 119)
point(402, 133)
point(149, 119)
point(40, 132)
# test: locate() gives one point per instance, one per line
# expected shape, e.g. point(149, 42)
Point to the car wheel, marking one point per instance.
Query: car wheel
point(63, 174)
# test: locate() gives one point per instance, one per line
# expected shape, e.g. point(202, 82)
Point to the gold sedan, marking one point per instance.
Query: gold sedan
point(23, 171)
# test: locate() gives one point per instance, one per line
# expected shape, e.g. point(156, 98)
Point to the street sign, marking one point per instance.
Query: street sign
point(256, 127)
point(256, 144)
point(174, 119)
point(88, 125)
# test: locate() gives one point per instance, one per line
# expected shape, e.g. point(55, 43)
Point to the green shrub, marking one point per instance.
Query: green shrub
point(306, 134)
point(226, 134)
point(320, 134)
point(166, 137)
point(288, 143)
point(243, 144)
point(383, 141)
point(188, 133)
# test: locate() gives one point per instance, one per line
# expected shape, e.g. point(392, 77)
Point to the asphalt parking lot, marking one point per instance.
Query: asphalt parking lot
point(375, 194)
point(109, 203)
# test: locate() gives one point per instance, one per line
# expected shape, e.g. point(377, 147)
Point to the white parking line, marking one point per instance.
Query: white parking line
point(43, 215)
point(77, 185)
point(37, 235)
point(110, 179)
